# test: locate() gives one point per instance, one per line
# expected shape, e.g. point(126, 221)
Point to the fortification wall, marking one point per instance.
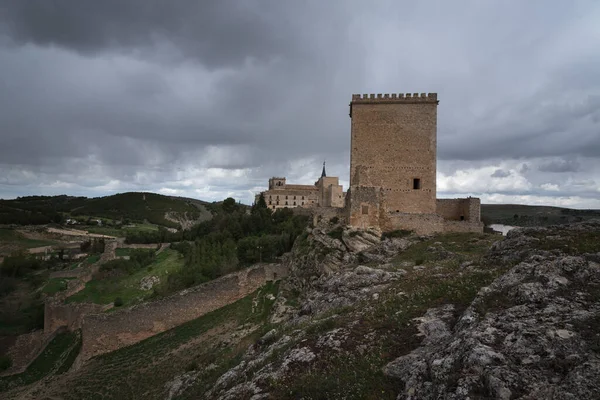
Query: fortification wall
point(453, 209)
point(467, 209)
point(421, 224)
point(102, 333)
point(327, 213)
point(26, 349)
point(463, 226)
point(57, 314)
point(393, 147)
point(151, 246)
point(364, 207)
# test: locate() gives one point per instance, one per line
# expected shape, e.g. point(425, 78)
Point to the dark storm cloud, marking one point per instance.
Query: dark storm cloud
point(218, 33)
point(499, 173)
point(560, 166)
point(208, 98)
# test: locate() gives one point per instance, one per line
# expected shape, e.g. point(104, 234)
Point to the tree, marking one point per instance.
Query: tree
point(229, 205)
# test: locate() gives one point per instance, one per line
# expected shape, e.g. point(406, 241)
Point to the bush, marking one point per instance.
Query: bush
point(7, 285)
point(192, 366)
point(5, 362)
point(334, 220)
point(336, 233)
point(118, 302)
point(19, 265)
point(419, 261)
point(396, 234)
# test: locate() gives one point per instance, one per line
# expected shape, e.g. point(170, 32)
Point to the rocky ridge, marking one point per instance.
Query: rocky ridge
point(532, 332)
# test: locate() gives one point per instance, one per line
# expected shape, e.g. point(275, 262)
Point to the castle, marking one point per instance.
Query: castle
point(326, 192)
point(393, 160)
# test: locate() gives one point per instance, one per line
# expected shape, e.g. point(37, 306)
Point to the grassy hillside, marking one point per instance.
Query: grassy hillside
point(127, 286)
point(128, 207)
point(523, 215)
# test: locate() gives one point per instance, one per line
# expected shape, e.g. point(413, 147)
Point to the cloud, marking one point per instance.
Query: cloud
point(209, 99)
point(550, 187)
point(560, 166)
point(500, 174)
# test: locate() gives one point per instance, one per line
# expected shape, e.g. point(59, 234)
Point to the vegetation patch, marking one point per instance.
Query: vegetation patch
point(464, 246)
point(121, 278)
point(569, 242)
point(336, 233)
point(399, 233)
point(56, 358)
point(55, 285)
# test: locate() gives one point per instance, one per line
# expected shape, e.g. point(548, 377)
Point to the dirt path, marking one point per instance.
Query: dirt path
point(77, 232)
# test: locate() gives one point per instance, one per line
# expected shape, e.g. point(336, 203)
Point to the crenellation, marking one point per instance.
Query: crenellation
point(394, 97)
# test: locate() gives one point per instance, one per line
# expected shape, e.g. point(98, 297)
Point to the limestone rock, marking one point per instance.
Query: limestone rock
point(148, 282)
point(527, 334)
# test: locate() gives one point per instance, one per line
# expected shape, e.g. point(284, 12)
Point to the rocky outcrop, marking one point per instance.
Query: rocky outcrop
point(533, 333)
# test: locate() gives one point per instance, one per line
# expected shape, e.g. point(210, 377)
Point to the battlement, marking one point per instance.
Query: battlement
point(395, 98)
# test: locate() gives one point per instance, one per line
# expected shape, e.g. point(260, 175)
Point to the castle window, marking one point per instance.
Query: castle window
point(294, 197)
point(302, 197)
point(416, 183)
point(286, 203)
point(462, 217)
point(365, 210)
point(286, 197)
point(294, 203)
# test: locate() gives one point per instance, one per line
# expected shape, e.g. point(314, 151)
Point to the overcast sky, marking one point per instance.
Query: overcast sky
point(208, 99)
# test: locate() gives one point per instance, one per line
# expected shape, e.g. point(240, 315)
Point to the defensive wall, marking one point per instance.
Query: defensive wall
point(102, 333)
point(28, 347)
point(367, 209)
point(70, 315)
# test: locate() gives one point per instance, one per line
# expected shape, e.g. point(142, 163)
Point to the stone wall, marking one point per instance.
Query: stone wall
point(364, 207)
point(463, 226)
point(102, 333)
point(454, 209)
point(58, 314)
point(26, 349)
point(461, 215)
point(421, 224)
point(393, 143)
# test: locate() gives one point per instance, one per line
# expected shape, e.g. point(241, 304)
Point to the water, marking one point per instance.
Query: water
point(502, 228)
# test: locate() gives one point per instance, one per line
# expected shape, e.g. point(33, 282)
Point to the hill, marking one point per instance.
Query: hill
point(451, 316)
point(128, 207)
point(524, 215)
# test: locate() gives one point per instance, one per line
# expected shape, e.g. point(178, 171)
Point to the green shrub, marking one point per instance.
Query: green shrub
point(192, 366)
point(399, 233)
point(336, 233)
point(118, 302)
point(5, 362)
point(419, 261)
point(7, 285)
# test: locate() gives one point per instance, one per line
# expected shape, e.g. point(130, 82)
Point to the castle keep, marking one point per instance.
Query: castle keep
point(393, 160)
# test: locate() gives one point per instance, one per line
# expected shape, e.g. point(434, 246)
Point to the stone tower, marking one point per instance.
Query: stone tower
point(393, 154)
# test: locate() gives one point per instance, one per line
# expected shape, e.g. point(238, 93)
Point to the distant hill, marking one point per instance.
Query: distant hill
point(523, 215)
point(154, 208)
